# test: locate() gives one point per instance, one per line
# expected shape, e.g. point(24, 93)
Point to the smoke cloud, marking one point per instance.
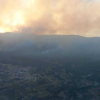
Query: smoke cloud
point(51, 17)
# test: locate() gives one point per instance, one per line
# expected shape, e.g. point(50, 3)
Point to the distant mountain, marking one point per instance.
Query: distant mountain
point(50, 45)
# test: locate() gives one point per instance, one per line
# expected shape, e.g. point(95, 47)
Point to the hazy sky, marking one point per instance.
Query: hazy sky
point(64, 17)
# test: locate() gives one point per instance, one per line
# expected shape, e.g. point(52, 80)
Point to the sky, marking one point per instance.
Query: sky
point(51, 17)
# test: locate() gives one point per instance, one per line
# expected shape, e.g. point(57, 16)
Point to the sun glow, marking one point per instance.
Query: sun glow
point(18, 19)
point(10, 24)
point(2, 30)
